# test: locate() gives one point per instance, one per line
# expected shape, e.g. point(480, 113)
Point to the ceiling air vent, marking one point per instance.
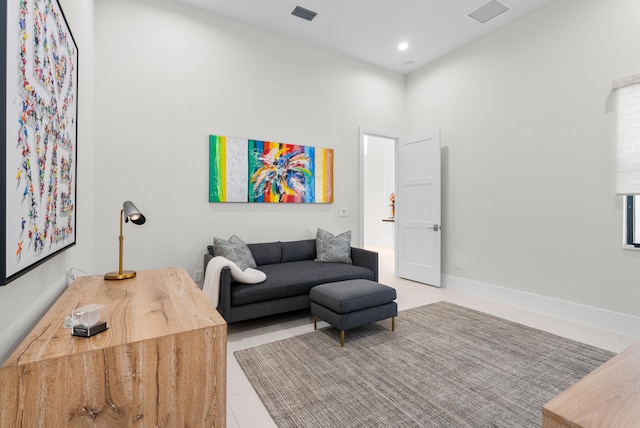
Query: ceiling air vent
point(303, 13)
point(488, 11)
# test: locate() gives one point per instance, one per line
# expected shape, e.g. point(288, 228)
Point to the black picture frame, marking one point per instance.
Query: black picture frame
point(39, 108)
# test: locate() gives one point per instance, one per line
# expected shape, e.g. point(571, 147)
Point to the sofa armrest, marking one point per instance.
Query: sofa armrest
point(224, 301)
point(365, 258)
point(207, 259)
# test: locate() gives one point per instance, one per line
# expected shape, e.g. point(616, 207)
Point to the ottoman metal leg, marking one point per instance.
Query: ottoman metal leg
point(393, 323)
point(315, 322)
point(342, 338)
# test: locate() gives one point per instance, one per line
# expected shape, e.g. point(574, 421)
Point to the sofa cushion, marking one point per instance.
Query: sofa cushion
point(266, 253)
point(235, 250)
point(330, 248)
point(349, 296)
point(298, 250)
point(293, 279)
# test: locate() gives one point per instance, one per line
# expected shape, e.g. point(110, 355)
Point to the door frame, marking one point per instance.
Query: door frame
point(391, 135)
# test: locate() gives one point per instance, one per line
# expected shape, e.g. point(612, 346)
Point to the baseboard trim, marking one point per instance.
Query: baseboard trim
point(589, 315)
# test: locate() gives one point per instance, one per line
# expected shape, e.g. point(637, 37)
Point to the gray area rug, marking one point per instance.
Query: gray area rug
point(444, 366)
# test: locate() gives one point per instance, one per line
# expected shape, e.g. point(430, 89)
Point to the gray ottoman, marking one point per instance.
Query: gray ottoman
point(350, 304)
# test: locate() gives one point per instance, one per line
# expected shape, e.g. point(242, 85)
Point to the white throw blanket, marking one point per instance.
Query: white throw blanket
point(211, 285)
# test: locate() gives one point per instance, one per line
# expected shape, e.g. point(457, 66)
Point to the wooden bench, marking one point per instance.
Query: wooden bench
point(607, 397)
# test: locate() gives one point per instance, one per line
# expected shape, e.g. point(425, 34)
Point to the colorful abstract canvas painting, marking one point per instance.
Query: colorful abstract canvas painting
point(242, 170)
point(39, 110)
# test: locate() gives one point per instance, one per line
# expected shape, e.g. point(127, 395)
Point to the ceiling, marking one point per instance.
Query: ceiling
point(371, 30)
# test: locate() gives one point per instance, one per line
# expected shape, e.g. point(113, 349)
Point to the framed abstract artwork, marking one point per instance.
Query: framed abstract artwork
point(39, 108)
point(242, 170)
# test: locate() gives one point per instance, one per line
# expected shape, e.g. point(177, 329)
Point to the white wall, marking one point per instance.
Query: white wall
point(23, 301)
point(528, 167)
point(169, 75)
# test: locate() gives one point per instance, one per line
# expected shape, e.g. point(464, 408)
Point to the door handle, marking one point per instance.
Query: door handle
point(436, 228)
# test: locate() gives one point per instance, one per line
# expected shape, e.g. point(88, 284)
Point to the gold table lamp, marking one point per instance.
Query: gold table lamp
point(128, 212)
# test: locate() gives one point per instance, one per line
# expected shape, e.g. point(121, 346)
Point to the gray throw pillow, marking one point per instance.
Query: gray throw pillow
point(235, 250)
point(336, 249)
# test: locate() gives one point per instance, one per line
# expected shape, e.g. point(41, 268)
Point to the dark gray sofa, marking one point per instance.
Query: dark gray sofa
point(291, 273)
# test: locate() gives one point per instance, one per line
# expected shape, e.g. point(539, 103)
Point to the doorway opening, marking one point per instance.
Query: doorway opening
point(377, 192)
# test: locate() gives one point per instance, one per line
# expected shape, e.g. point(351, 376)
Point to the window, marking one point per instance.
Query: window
point(632, 221)
point(628, 155)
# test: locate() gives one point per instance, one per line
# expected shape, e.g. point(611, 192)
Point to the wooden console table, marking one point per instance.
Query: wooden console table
point(607, 397)
point(162, 362)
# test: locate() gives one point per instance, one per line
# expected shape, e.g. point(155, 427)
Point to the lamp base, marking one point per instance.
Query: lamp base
point(117, 275)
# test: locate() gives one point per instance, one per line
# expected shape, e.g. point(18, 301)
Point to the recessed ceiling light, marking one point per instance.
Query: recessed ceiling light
point(403, 46)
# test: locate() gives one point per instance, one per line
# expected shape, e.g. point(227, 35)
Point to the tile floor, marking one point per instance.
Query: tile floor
point(244, 408)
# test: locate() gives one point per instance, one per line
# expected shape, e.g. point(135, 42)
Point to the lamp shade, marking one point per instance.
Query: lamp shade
point(131, 212)
point(628, 140)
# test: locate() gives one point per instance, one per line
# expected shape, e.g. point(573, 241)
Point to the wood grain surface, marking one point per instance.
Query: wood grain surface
point(607, 397)
point(162, 362)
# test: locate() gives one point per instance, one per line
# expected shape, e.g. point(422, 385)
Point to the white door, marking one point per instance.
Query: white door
point(418, 209)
